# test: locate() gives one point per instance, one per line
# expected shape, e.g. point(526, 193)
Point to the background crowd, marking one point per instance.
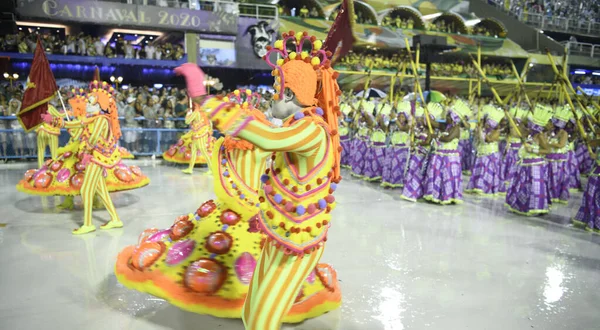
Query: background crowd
point(583, 11)
point(86, 45)
point(363, 60)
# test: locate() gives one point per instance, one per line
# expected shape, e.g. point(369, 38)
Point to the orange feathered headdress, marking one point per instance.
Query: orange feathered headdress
point(78, 103)
point(104, 94)
point(305, 69)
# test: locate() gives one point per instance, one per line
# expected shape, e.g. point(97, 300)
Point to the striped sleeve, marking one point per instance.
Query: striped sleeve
point(303, 137)
point(75, 123)
point(52, 110)
point(191, 116)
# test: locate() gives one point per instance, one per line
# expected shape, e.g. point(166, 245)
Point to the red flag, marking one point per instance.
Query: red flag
point(341, 31)
point(40, 89)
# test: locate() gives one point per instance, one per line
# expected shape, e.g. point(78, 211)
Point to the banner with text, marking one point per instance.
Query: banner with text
point(122, 14)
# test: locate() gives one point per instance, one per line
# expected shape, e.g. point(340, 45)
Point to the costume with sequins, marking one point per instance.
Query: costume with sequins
point(205, 261)
point(198, 138)
point(63, 176)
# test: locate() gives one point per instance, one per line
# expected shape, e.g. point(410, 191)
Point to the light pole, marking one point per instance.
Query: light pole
point(116, 81)
point(11, 78)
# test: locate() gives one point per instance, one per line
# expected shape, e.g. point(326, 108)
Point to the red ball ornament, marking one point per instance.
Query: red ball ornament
point(146, 234)
point(181, 229)
point(146, 254)
point(29, 175)
point(136, 170)
point(219, 242)
point(43, 180)
point(67, 154)
point(206, 208)
point(205, 276)
point(182, 218)
point(55, 166)
point(171, 151)
point(79, 166)
point(179, 143)
point(188, 155)
point(123, 175)
point(77, 180)
point(230, 218)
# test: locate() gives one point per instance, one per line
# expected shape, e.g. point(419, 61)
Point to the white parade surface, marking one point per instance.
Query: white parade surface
point(401, 265)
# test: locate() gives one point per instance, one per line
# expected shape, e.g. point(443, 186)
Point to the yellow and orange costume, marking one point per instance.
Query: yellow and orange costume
point(195, 146)
point(204, 263)
point(63, 175)
point(98, 152)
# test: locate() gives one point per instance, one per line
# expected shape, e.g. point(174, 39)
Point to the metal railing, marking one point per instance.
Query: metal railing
point(16, 144)
point(550, 23)
point(582, 48)
point(258, 11)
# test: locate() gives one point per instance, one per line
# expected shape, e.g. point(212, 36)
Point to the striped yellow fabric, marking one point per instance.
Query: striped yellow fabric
point(46, 139)
point(275, 285)
point(95, 183)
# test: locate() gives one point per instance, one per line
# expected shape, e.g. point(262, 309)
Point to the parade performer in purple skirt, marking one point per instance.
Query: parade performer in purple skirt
point(558, 139)
point(414, 178)
point(465, 148)
point(528, 191)
point(572, 161)
point(444, 173)
point(345, 135)
point(511, 155)
point(375, 156)
point(397, 153)
point(586, 162)
point(487, 176)
point(359, 149)
point(588, 216)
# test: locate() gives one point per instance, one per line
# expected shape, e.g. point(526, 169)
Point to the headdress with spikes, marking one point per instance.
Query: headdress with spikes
point(105, 96)
point(404, 108)
point(562, 115)
point(305, 69)
point(540, 117)
point(78, 102)
point(435, 110)
point(518, 113)
point(493, 114)
point(461, 108)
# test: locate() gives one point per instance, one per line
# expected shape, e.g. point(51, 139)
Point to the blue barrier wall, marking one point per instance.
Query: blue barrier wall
point(16, 144)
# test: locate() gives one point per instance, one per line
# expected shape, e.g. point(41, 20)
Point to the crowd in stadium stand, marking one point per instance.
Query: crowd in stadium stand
point(584, 11)
point(86, 45)
point(362, 61)
point(586, 79)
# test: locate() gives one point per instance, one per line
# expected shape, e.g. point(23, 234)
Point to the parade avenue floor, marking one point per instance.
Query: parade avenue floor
point(401, 265)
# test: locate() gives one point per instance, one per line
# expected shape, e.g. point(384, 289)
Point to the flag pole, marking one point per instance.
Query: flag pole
point(62, 102)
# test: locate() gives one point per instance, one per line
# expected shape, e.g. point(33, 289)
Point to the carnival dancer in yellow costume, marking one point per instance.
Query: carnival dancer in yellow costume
point(64, 175)
point(296, 196)
point(205, 261)
point(47, 136)
point(201, 135)
point(98, 152)
point(195, 146)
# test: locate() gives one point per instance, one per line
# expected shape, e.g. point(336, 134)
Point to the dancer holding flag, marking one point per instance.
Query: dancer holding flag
point(39, 90)
point(98, 152)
